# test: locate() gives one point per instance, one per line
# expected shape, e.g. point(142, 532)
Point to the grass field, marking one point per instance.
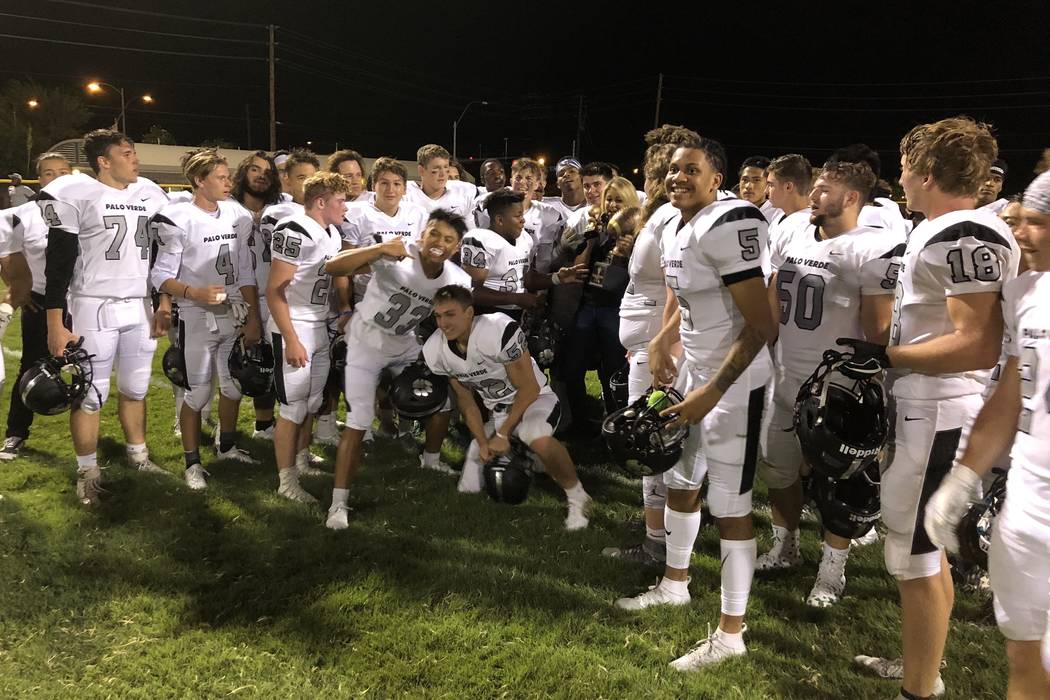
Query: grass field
point(430, 593)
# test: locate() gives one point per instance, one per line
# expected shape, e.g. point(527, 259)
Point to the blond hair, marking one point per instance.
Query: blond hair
point(429, 152)
point(199, 164)
point(957, 153)
point(323, 184)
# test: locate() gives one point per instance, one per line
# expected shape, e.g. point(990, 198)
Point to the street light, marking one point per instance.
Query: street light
point(97, 85)
point(455, 124)
point(32, 104)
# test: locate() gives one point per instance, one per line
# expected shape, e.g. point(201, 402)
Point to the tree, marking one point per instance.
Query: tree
point(159, 135)
point(27, 130)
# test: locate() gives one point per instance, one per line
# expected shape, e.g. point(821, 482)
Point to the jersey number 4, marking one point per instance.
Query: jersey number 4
point(119, 225)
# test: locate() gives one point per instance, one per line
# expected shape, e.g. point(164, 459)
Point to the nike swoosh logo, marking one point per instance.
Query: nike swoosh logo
point(667, 533)
point(908, 418)
point(144, 199)
point(832, 252)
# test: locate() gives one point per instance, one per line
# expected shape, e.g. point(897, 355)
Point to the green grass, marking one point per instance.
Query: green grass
point(168, 593)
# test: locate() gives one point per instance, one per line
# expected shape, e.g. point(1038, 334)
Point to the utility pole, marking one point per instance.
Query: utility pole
point(273, 92)
point(659, 96)
point(579, 131)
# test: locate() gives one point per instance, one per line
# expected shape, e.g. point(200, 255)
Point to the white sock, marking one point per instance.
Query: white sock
point(834, 556)
point(680, 535)
point(431, 459)
point(738, 568)
point(288, 476)
point(735, 640)
point(88, 462)
point(340, 496)
point(137, 453)
point(576, 494)
point(657, 534)
point(788, 538)
point(676, 587)
point(302, 457)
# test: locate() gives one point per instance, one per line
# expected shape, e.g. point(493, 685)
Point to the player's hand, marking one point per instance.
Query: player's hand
point(498, 446)
point(395, 248)
point(211, 295)
point(294, 352)
point(527, 301)
point(575, 273)
point(485, 452)
point(58, 339)
point(696, 405)
point(863, 351)
point(948, 505)
point(624, 245)
point(661, 364)
point(252, 331)
point(161, 322)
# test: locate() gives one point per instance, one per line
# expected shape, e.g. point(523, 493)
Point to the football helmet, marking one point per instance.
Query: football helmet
point(975, 529)
point(174, 364)
point(55, 384)
point(848, 507)
point(841, 415)
point(543, 338)
point(618, 385)
point(252, 367)
point(638, 434)
point(417, 392)
point(507, 477)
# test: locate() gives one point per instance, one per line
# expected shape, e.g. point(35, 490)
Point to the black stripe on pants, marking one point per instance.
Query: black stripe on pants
point(34, 347)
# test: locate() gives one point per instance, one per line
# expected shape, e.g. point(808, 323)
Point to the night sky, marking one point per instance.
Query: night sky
point(385, 77)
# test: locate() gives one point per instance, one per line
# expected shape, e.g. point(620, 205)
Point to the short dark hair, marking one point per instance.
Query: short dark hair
point(456, 293)
point(492, 160)
point(301, 156)
point(858, 153)
point(272, 195)
point(716, 155)
point(454, 220)
point(98, 142)
point(760, 162)
point(497, 203)
point(793, 168)
point(603, 170)
point(383, 164)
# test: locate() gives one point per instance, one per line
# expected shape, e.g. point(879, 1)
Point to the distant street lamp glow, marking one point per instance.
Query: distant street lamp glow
point(541, 160)
point(148, 99)
point(33, 104)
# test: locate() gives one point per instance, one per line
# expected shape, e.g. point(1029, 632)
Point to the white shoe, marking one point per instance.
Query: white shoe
point(263, 434)
point(778, 558)
point(338, 517)
point(710, 651)
point(871, 538)
point(177, 429)
point(439, 467)
point(7, 312)
point(470, 479)
point(892, 669)
point(147, 465)
point(326, 431)
point(656, 595)
point(577, 518)
point(294, 492)
point(195, 477)
point(237, 455)
point(89, 489)
point(305, 466)
point(828, 588)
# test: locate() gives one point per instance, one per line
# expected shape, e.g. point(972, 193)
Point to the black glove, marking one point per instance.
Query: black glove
point(863, 351)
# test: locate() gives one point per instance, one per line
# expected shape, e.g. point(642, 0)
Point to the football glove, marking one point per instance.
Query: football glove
point(863, 351)
point(949, 503)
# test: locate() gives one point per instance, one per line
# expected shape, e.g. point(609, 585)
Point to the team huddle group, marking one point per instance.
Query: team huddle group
point(745, 325)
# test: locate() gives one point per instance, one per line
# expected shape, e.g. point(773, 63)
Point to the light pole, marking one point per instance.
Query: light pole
point(455, 124)
point(122, 120)
point(32, 103)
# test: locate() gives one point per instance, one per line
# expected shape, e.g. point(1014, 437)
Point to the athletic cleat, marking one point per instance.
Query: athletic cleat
point(871, 538)
point(577, 518)
point(470, 479)
point(440, 467)
point(89, 490)
point(777, 558)
point(266, 434)
point(149, 467)
point(338, 517)
point(294, 492)
point(890, 669)
point(326, 432)
point(656, 595)
point(195, 477)
point(177, 428)
point(828, 587)
point(236, 454)
point(305, 469)
point(643, 553)
point(710, 651)
point(12, 447)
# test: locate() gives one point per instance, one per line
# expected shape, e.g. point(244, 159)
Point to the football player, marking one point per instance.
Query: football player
point(789, 180)
point(351, 165)
point(570, 186)
point(831, 279)
point(878, 212)
point(298, 291)
point(203, 261)
point(988, 196)
point(381, 334)
point(947, 325)
point(715, 257)
point(23, 241)
point(594, 177)
point(487, 354)
point(434, 190)
point(1017, 414)
point(98, 246)
point(752, 186)
point(493, 176)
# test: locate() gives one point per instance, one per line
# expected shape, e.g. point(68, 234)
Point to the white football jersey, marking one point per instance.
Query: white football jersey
point(202, 249)
point(646, 293)
point(997, 206)
point(543, 223)
point(22, 230)
point(962, 252)
point(301, 241)
point(495, 340)
point(723, 244)
point(400, 296)
point(180, 196)
point(883, 213)
point(260, 243)
point(561, 206)
point(505, 262)
point(786, 223)
point(770, 212)
point(820, 284)
point(458, 198)
point(366, 225)
point(1026, 311)
point(113, 232)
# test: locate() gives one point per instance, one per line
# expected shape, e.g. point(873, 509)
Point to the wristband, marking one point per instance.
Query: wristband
point(555, 280)
point(346, 313)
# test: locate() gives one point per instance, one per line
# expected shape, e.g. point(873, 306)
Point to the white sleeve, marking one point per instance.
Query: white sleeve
point(10, 233)
point(736, 246)
point(878, 275)
point(289, 245)
point(245, 269)
point(59, 214)
point(474, 252)
point(1010, 345)
point(968, 258)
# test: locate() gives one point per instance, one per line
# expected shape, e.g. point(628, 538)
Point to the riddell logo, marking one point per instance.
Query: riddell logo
point(854, 452)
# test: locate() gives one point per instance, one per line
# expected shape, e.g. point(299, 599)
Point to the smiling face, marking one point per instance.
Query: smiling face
point(355, 177)
point(438, 243)
point(593, 186)
point(434, 175)
point(453, 318)
point(258, 179)
point(692, 182)
point(1033, 236)
point(389, 188)
point(569, 182)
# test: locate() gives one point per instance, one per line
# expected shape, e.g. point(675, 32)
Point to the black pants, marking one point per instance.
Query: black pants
point(596, 331)
point(34, 347)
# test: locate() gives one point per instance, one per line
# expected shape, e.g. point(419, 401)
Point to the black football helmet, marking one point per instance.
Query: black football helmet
point(848, 507)
point(618, 384)
point(841, 415)
point(508, 477)
point(975, 529)
point(55, 384)
point(174, 364)
point(417, 392)
point(543, 338)
point(639, 434)
point(252, 367)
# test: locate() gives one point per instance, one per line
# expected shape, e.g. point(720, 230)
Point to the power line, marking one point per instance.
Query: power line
point(345, 81)
point(854, 98)
point(780, 107)
point(129, 48)
point(137, 31)
point(110, 8)
point(796, 83)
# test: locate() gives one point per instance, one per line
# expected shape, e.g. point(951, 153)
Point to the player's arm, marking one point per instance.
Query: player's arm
point(349, 262)
point(876, 312)
point(776, 306)
point(974, 342)
point(281, 275)
point(344, 296)
point(537, 281)
point(468, 407)
point(19, 279)
point(60, 257)
point(523, 379)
